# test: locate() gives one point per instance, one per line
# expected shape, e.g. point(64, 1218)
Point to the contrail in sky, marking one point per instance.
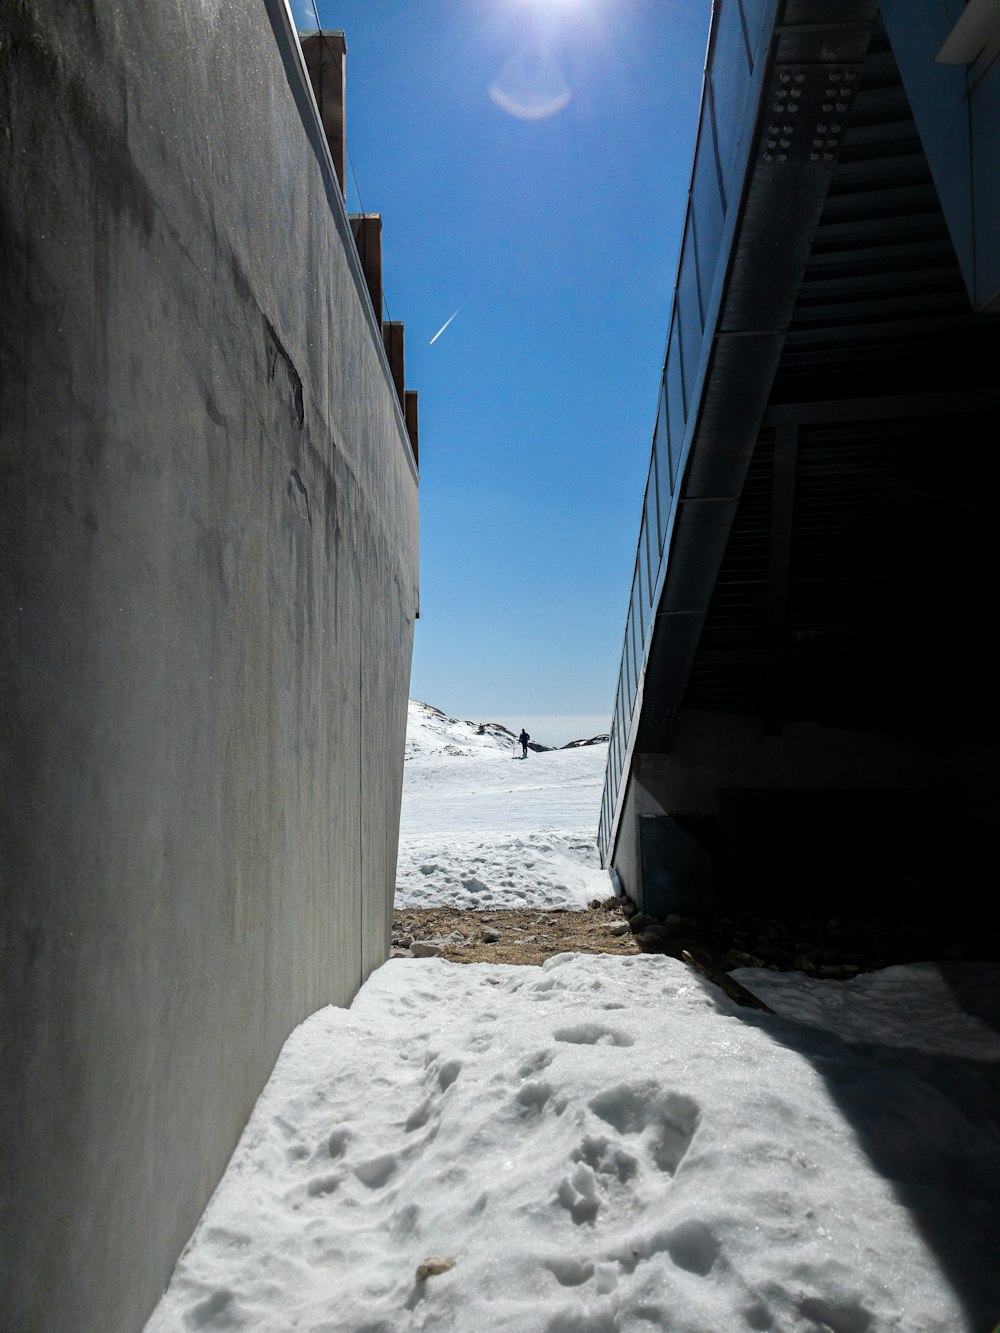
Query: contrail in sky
point(442, 328)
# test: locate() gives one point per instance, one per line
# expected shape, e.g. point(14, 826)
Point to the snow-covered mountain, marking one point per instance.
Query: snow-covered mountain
point(483, 827)
point(429, 730)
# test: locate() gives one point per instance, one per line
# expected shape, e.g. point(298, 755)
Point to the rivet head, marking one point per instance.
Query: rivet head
point(785, 143)
point(796, 92)
point(772, 129)
point(782, 157)
point(831, 92)
point(835, 129)
point(772, 143)
point(841, 106)
point(817, 143)
point(788, 128)
point(846, 92)
point(779, 106)
point(768, 157)
point(828, 106)
point(814, 157)
point(793, 107)
point(821, 129)
point(800, 77)
point(785, 77)
point(827, 157)
point(835, 77)
point(831, 143)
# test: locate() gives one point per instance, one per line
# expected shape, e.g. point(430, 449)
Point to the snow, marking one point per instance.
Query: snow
point(482, 827)
point(608, 1143)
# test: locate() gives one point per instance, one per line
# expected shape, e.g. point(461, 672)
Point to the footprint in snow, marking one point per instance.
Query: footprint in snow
point(322, 1185)
point(377, 1172)
point(671, 1117)
point(534, 1064)
point(532, 1096)
point(579, 1195)
point(606, 1159)
point(337, 1142)
point(690, 1245)
point(448, 1073)
point(205, 1312)
point(593, 1034)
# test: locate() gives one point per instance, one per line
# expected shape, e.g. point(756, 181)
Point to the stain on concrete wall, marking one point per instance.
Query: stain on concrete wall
point(209, 586)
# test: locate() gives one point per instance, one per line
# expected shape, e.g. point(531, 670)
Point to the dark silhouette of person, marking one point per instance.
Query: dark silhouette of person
point(524, 738)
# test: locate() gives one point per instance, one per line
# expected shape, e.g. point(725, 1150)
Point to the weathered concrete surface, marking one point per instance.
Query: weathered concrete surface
point(845, 816)
point(209, 584)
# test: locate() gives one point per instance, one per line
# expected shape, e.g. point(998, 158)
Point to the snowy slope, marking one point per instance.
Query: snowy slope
point(482, 827)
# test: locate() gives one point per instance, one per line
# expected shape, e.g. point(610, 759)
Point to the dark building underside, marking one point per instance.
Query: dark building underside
point(818, 704)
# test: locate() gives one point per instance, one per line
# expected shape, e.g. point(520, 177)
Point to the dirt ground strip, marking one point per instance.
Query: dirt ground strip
point(523, 935)
point(827, 947)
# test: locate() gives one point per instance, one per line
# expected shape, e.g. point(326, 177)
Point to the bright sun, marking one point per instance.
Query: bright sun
point(553, 4)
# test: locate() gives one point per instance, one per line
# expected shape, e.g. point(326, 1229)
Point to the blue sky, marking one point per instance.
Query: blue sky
point(555, 238)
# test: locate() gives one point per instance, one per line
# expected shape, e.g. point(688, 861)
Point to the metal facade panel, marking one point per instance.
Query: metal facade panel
point(754, 280)
point(957, 110)
point(846, 269)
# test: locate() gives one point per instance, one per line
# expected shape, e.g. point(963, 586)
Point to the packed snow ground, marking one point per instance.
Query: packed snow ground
point(604, 1144)
point(482, 827)
point(610, 1144)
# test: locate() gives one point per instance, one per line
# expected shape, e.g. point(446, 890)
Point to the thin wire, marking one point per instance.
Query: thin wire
point(354, 174)
point(361, 205)
point(357, 187)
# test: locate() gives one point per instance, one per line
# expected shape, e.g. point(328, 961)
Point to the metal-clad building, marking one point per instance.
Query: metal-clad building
point(805, 707)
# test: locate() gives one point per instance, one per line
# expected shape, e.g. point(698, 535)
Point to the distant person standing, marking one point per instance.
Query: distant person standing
point(524, 738)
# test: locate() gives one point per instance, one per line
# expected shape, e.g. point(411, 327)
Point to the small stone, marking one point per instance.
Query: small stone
point(426, 949)
point(740, 958)
point(433, 1266)
point(649, 941)
point(400, 953)
point(404, 941)
point(619, 928)
point(594, 905)
point(835, 972)
point(672, 921)
point(489, 935)
point(640, 922)
point(658, 931)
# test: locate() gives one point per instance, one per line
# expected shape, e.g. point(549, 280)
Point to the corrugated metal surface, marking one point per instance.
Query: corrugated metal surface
point(878, 617)
point(883, 296)
point(829, 543)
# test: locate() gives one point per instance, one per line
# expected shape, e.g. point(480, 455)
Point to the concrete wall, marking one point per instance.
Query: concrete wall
point(209, 586)
point(842, 816)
